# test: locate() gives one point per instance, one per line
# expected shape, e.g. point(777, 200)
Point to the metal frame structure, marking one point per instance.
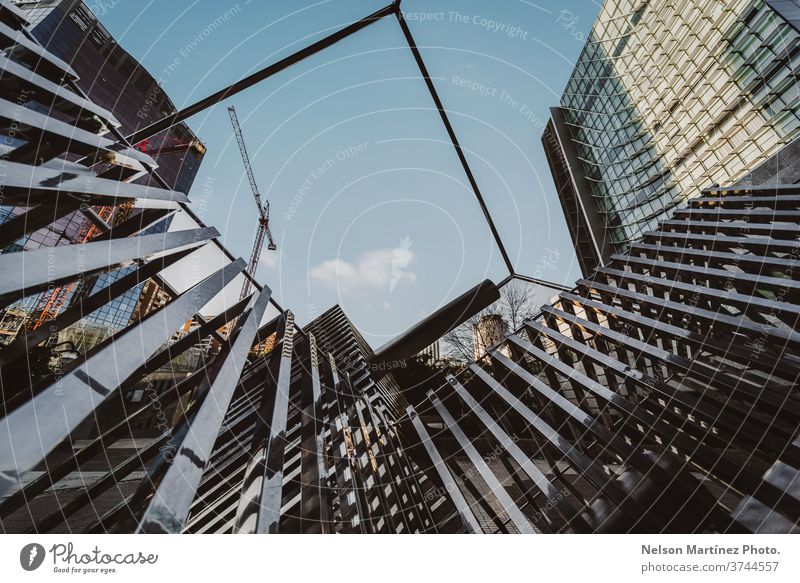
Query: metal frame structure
point(659, 395)
point(282, 441)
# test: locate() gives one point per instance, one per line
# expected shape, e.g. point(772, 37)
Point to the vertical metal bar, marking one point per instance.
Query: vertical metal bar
point(499, 491)
point(393, 451)
point(353, 515)
point(170, 505)
point(314, 492)
point(366, 467)
point(462, 506)
point(259, 508)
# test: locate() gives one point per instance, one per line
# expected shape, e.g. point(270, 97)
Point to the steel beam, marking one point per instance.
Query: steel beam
point(463, 508)
point(51, 266)
point(72, 398)
point(259, 508)
point(259, 76)
point(510, 507)
point(169, 508)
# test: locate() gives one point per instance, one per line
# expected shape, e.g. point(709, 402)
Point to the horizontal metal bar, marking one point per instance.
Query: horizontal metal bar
point(62, 137)
point(734, 202)
point(89, 115)
point(28, 185)
point(33, 54)
point(761, 189)
point(761, 245)
point(776, 231)
point(751, 263)
point(748, 214)
point(785, 337)
point(746, 303)
point(51, 266)
point(700, 272)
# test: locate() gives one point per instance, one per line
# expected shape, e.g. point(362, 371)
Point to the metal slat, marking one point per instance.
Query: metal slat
point(556, 498)
point(56, 137)
point(50, 266)
point(91, 117)
point(28, 185)
point(588, 467)
point(315, 491)
point(468, 519)
point(259, 505)
point(498, 490)
point(73, 397)
point(171, 502)
point(34, 55)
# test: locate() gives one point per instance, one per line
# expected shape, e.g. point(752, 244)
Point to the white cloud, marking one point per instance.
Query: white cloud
point(373, 271)
point(269, 259)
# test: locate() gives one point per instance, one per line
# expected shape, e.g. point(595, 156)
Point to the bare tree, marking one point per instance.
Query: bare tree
point(459, 343)
point(516, 304)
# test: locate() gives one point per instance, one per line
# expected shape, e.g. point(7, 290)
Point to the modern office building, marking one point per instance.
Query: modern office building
point(115, 81)
point(668, 98)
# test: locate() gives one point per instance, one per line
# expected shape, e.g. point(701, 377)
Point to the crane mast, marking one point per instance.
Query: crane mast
point(263, 209)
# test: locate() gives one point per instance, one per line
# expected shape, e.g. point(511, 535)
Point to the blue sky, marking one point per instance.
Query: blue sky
point(370, 207)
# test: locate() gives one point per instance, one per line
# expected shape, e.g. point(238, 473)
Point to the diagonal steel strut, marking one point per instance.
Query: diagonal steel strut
point(453, 139)
point(393, 8)
point(322, 44)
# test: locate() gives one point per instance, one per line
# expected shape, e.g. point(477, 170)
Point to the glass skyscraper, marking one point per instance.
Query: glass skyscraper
point(668, 98)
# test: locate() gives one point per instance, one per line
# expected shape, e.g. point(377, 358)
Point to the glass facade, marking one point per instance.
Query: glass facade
point(116, 81)
point(668, 98)
point(113, 79)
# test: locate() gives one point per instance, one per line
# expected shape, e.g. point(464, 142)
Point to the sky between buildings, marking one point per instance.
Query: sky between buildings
point(370, 206)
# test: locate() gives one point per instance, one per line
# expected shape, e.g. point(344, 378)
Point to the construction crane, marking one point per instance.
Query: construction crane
point(263, 209)
point(52, 302)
